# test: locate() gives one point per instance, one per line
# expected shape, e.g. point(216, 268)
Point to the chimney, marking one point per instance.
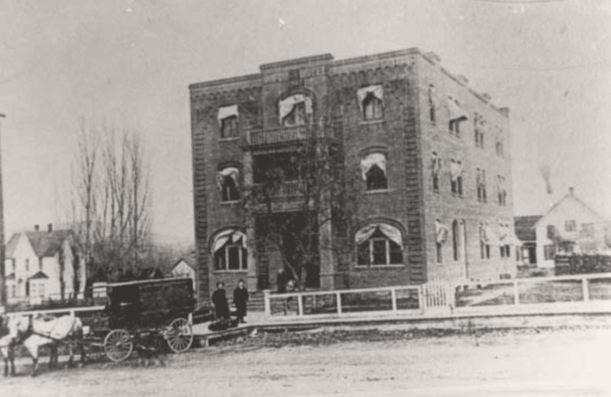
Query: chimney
point(36, 227)
point(50, 227)
point(572, 191)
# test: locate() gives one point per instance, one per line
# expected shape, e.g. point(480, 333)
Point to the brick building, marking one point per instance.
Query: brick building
point(432, 155)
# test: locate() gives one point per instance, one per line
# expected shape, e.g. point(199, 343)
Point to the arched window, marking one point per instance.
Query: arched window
point(370, 101)
point(378, 245)
point(441, 236)
point(229, 251)
point(373, 171)
point(227, 183)
point(295, 110)
point(228, 121)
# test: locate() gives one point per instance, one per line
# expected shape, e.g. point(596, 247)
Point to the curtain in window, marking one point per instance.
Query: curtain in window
point(389, 231)
point(456, 169)
point(456, 112)
point(436, 164)
point(441, 232)
point(227, 111)
point(229, 171)
point(230, 235)
point(374, 158)
point(489, 237)
point(362, 93)
point(286, 105)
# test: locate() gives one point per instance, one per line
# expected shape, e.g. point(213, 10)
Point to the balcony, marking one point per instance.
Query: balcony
point(285, 190)
point(279, 135)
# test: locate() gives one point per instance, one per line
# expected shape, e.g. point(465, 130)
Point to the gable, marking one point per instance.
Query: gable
point(569, 208)
point(182, 267)
point(46, 244)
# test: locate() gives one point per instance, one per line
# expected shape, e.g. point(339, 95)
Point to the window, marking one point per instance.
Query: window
point(455, 240)
point(227, 183)
point(480, 181)
point(549, 251)
point(13, 291)
point(570, 226)
point(373, 171)
point(479, 125)
point(230, 253)
point(502, 190)
point(457, 116)
point(441, 236)
point(379, 245)
point(456, 171)
point(295, 110)
point(551, 232)
point(14, 263)
point(500, 150)
point(228, 121)
point(27, 265)
point(505, 251)
point(587, 230)
point(370, 101)
point(432, 103)
point(229, 127)
point(435, 168)
point(372, 108)
point(483, 243)
point(297, 116)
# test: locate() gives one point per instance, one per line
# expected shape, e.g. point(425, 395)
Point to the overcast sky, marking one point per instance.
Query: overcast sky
point(132, 61)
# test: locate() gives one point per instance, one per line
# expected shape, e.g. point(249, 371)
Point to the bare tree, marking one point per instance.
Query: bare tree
point(312, 177)
point(111, 200)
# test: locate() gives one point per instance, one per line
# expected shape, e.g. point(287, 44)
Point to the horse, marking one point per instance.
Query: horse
point(51, 332)
point(11, 328)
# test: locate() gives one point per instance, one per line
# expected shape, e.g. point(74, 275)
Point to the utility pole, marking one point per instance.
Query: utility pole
point(2, 243)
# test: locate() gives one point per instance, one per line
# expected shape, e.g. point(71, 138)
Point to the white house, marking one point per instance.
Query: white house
point(33, 266)
point(569, 226)
point(182, 268)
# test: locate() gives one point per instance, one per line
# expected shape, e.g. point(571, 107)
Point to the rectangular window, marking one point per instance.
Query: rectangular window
point(229, 127)
point(396, 253)
point(27, 265)
point(551, 232)
point(233, 257)
point(13, 291)
point(439, 249)
point(487, 251)
point(570, 226)
point(549, 251)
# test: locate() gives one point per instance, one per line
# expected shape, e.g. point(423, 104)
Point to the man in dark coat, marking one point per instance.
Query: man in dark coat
point(219, 300)
point(240, 298)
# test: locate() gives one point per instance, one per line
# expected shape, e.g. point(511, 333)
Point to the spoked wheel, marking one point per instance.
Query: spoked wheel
point(118, 345)
point(179, 335)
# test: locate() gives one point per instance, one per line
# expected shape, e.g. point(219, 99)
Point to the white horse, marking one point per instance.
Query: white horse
point(12, 327)
point(66, 330)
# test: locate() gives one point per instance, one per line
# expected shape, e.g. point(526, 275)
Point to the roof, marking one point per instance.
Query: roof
point(11, 246)
point(524, 225)
point(10, 277)
point(569, 196)
point(38, 276)
point(47, 244)
point(150, 273)
point(145, 282)
point(182, 260)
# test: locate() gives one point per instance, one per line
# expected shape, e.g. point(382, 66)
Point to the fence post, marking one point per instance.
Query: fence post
point(516, 293)
point(338, 298)
point(300, 304)
point(267, 303)
point(421, 302)
point(585, 289)
point(393, 294)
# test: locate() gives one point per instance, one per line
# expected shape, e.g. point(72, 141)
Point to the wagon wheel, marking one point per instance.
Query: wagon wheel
point(179, 335)
point(118, 345)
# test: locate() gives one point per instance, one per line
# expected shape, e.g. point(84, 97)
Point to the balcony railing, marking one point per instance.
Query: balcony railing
point(284, 190)
point(279, 135)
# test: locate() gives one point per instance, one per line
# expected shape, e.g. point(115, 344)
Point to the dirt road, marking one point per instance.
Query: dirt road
point(547, 363)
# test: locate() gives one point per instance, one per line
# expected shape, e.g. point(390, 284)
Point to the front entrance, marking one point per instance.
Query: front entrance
point(288, 240)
